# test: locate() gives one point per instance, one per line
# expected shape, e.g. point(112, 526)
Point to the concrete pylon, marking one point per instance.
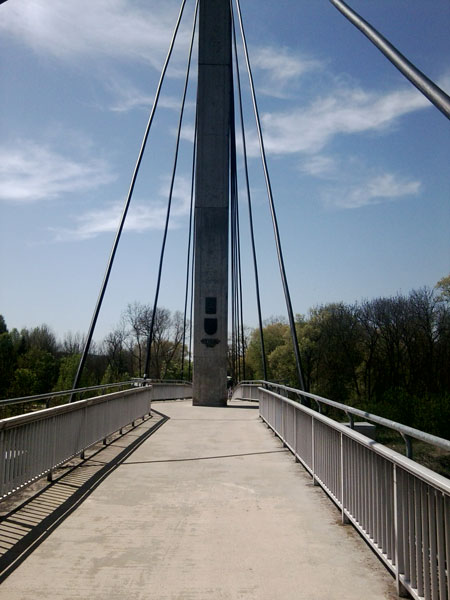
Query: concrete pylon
point(211, 204)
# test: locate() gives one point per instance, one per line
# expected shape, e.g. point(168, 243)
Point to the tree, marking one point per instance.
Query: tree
point(7, 359)
point(443, 285)
point(3, 328)
point(274, 333)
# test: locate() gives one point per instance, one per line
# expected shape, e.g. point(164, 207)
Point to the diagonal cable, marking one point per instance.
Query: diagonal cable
point(249, 202)
point(189, 251)
point(169, 204)
point(126, 207)
point(272, 207)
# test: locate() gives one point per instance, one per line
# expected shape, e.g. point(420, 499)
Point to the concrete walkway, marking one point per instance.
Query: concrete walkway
point(209, 507)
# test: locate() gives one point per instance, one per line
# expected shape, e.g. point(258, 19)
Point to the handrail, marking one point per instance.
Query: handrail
point(33, 444)
point(133, 381)
point(404, 430)
point(399, 507)
point(428, 475)
point(47, 395)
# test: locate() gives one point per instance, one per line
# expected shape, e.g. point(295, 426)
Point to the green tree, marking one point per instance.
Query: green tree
point(7, 361)
point(443, 286)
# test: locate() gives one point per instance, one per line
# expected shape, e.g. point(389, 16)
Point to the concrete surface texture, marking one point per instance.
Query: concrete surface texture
point(209, 507)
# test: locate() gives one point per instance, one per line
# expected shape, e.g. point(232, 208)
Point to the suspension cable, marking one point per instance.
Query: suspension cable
point(126, 207)
point(191, 303)
point(169, 204)
point(190, 245)
point(234, 287)
point(237, 302)
point(272, 208)
point(249, 203)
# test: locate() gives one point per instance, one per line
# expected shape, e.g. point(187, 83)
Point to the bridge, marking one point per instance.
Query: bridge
point(149, 495)
point(172, 489)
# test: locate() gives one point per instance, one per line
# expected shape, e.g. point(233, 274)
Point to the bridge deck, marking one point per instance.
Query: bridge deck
point(209, 506)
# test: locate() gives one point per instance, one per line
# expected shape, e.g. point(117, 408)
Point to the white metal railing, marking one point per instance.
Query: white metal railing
point(245, 391)
point(400, 508)
point(34, 444)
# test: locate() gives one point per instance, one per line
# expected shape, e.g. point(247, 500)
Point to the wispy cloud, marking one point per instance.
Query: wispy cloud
point(346, 112)
point(319, 165)
point(349, 182)
point(115, 29)
point(31, 173)
point(375, 190)
point(281, 68)
point(128, 97)
point(141, 216)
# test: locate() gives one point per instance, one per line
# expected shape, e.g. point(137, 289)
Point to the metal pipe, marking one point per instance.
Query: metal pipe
point(425, 85)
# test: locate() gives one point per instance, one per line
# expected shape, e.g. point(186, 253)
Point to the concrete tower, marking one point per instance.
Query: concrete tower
point(211, 204)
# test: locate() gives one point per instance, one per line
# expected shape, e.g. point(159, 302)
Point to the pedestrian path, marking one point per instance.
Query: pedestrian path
point(211, 506)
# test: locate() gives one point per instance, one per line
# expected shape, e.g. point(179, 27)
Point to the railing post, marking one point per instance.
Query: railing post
point(2, 461)
point(295, 436)
point(283, 422)
point(345, 519)
point(408, 443)
point(53, 443)
point(398, 533)
point(313, 454)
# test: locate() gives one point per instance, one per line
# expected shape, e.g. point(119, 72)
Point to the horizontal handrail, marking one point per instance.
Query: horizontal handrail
point(409, 465)
point(403, 430)
point(48, 395)
point(35, 443)
point(103, 386)
point(399, 507)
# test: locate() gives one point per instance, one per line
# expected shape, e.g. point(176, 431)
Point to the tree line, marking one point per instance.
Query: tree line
point(33, 361)
point(389, 356)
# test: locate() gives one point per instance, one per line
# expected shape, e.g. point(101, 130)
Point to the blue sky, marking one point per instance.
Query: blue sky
point(359, 160)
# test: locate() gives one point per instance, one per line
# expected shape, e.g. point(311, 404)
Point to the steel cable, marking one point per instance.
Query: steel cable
point(169, 204)
point(272, 207)
point(126, 207)
point(249, 204)
point(190, 246)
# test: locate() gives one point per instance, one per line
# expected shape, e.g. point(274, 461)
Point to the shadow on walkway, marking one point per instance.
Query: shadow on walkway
point(25, 526)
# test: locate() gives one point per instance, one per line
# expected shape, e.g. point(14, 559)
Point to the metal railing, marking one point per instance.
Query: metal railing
point(399, 507)
point(173, 390)
point(244, 391)
point(34, 444)
point(136, 381)
point(45, 398)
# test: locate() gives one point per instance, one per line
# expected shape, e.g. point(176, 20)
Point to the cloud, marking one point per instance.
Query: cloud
point(345, 112)
point(129, 97)
point(31, 173)
point(319, 166)
point(113, 29)
point(280, 67)
point(141, 216)
point(375, 190)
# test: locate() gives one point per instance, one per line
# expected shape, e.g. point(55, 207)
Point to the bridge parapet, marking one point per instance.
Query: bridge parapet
point(171, 390)
point(401, 508)
point(34, 444)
